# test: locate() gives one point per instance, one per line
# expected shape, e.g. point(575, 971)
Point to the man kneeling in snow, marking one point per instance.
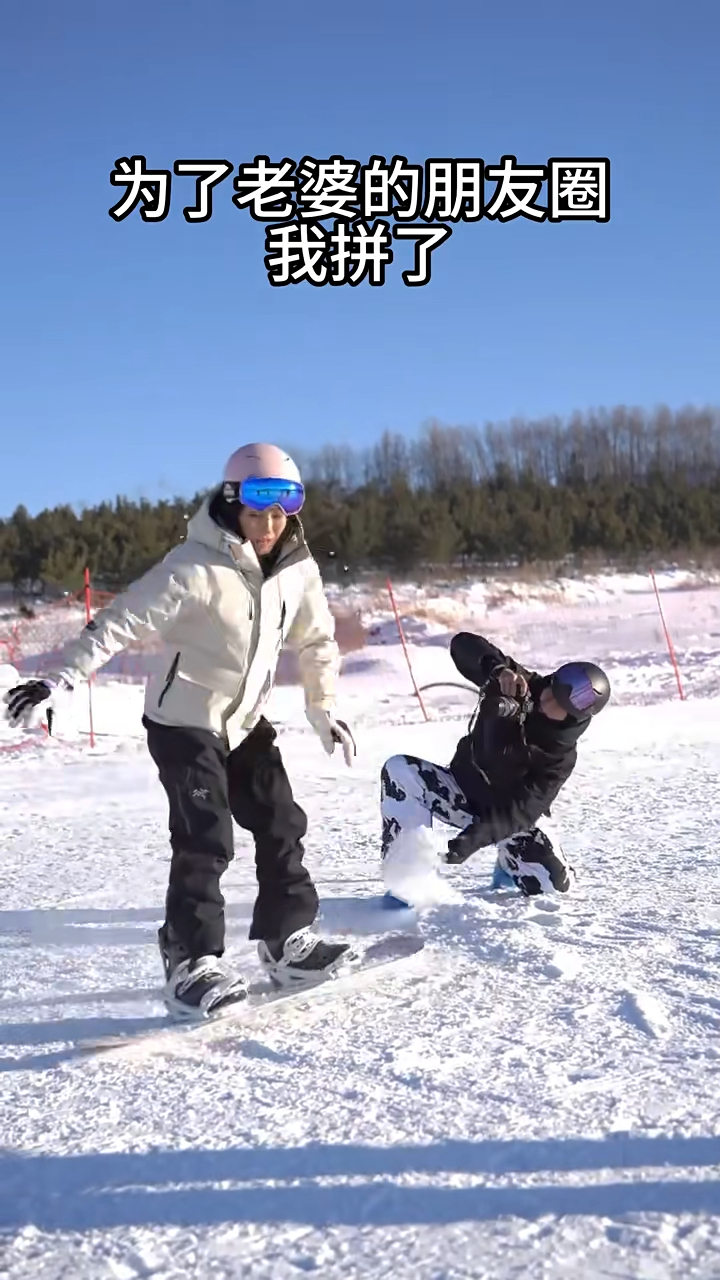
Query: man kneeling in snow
point(519, 751)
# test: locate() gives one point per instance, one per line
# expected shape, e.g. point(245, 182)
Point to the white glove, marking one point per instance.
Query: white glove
point(332, 733)
point(31, 702)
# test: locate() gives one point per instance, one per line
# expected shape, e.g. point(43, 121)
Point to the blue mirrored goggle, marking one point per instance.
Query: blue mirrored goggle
point(572, 688)
point(260, 492)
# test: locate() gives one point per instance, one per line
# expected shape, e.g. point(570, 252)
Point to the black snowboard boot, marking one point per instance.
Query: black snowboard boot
point(196, 987)
point(303, 958)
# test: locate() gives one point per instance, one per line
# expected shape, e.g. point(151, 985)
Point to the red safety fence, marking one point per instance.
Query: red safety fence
point(33, 643)
point(630, 633)
point(45, 628)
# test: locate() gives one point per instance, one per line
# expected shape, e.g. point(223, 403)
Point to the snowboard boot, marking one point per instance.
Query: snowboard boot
point(172, 950)
point(303, 959)
point(501, 879)
point(198, 988)
point(534, 864)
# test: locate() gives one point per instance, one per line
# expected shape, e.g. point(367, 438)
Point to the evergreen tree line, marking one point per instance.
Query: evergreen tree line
point(617, 483)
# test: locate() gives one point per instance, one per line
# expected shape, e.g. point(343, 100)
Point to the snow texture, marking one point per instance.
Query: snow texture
point(411, 871)
point(539, 1097)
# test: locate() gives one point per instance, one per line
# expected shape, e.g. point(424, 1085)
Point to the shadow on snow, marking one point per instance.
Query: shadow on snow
point(80, 1193)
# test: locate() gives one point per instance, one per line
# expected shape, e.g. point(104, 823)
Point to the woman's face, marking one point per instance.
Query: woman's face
point(262, 528)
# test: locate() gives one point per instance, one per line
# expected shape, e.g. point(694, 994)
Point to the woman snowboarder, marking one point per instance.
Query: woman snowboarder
point(225, 601)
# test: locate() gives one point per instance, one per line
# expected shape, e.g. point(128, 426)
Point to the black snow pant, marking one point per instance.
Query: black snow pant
point(207, 787)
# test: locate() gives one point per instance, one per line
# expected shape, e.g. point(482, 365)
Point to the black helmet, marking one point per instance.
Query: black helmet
point(580, 688)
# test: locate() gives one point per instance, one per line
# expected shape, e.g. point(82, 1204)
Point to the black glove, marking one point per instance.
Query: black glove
point(462, 847)
point(24, 698)
point(342, 735)
point(332, 733)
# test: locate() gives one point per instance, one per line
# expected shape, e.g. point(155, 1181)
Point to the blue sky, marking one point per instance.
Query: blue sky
point(135, 357)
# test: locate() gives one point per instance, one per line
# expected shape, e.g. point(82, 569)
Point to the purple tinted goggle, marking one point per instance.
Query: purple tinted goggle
point(572, 688)
point(260, 492)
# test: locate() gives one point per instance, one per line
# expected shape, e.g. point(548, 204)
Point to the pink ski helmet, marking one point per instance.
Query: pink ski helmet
point(261, 476)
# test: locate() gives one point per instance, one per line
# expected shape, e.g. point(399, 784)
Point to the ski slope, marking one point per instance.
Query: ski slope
point(539, 1098)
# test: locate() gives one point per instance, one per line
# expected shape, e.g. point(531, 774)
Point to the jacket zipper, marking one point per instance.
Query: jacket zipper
point(300, 554)
point(254, 617)
point(170, 677)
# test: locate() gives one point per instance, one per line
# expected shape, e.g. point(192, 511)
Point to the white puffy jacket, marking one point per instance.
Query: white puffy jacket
point(223, 625)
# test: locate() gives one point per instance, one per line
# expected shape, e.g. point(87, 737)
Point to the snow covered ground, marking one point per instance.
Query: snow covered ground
point(538, 1098)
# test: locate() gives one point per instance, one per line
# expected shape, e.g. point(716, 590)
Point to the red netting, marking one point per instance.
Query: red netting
point(33, 644)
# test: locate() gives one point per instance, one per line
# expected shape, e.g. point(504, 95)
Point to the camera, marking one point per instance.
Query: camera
point(498, 706)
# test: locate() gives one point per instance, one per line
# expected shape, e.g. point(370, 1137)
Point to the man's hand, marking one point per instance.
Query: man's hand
point(511, 683)
point(462, 847)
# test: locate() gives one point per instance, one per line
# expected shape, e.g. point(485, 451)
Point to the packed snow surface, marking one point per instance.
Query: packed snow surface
point(537, 1097)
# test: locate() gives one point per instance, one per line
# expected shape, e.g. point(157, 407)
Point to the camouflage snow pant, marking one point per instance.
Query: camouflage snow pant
point(414, 791)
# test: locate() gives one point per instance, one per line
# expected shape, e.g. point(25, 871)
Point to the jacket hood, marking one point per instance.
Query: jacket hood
point(202, 528)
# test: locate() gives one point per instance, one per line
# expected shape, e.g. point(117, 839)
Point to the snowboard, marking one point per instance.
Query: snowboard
point(381, 958)
point(367, 916)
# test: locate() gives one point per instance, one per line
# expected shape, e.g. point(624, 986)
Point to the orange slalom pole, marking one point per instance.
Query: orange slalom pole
point(88, 618)
point(668, 640)
point(403, 642)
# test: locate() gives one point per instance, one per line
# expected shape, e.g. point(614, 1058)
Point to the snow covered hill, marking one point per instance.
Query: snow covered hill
point(539, 1098)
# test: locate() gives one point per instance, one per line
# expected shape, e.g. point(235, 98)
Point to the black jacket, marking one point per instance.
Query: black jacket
point(509, 772)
